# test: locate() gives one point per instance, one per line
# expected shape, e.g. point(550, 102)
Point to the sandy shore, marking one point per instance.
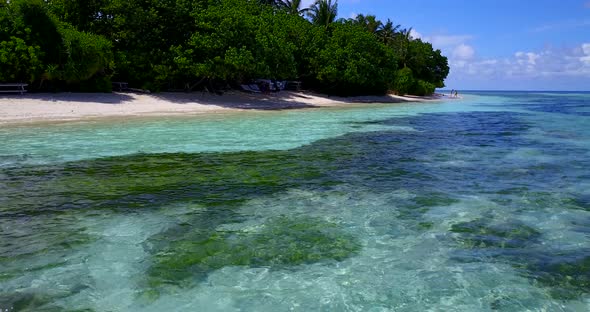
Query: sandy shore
point(76, 106)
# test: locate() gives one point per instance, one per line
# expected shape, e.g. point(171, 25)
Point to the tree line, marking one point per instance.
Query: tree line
point(83, 45)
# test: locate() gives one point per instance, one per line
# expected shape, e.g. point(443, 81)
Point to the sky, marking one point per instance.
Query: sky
point(497, 44)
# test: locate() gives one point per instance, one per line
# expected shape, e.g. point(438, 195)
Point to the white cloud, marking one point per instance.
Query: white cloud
point(463, 52)
point(550, 65)
point(456, 47)
point(586, 57)
point(414, 34)
point(447, 41)
point(550, 68)
point(529, 58)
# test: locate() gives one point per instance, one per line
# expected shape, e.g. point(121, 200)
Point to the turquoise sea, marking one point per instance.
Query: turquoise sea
point(477, 204)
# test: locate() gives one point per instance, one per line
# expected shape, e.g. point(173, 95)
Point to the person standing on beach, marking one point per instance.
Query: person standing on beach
point(452, 92)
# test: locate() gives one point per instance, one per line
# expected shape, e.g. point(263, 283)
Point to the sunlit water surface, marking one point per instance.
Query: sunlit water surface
point(479, 204)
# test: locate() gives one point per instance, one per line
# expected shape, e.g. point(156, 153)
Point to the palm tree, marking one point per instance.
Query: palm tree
point(407, 33)
point(293, 7)
point(369, 22)
point(323, 12)
point(387, 32)
point(406, 37)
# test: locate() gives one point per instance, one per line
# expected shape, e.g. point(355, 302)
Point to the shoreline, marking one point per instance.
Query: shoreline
point(71, 107)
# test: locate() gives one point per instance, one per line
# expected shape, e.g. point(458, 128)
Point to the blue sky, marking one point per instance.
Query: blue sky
point(501, 44)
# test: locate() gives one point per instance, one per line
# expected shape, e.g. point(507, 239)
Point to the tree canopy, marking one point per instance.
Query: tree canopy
point(81, 45)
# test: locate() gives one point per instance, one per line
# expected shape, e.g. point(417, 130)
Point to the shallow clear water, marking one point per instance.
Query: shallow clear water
point(478, 204)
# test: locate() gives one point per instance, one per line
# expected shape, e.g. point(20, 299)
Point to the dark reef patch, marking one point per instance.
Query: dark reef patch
point(482, 234)
point(566, 274)
point(280, 242)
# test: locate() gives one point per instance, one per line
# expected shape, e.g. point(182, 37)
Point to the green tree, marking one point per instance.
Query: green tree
point(293, 7)
point(426, 63)
point(33, 23)
point(173, 44)
point(421, 88)
point(274, 3)
point(84, 15)
point(323, 12)
point(404, 81)
point(402, 45)
point(388, 32)
point(19, 61)
point(41, 48)
point(308, 40)
point(85, 55)
point(144, 33)
point(354, 62)
point(237, 41)
point(369, 22)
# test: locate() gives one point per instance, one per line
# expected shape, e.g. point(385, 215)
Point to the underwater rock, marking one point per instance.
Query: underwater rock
point(414, 208)
point(280, 242)
point(580, 202)
point(481, 234)
point(34, 301)
point(425, 225)
point(566, 275)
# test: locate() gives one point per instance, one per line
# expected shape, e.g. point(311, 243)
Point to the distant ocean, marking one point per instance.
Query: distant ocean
point(475, 204)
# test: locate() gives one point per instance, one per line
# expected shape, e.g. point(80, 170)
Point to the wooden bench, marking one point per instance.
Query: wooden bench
point(13, 87)
point(293, 86)
point(120, 86)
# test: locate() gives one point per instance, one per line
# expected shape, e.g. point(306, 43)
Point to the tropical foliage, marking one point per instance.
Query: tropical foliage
point(35, 46)
point(293, 7)
point(353, 62)
point(81, 45)
point(323, 12)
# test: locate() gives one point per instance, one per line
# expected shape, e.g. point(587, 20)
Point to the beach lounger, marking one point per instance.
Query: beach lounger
point(248, 88)
point(255, 88)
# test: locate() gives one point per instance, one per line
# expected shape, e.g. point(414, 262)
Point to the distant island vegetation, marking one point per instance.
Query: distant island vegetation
point(158, 45)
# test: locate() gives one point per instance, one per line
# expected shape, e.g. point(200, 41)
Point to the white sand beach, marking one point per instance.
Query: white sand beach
point(75, 106)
